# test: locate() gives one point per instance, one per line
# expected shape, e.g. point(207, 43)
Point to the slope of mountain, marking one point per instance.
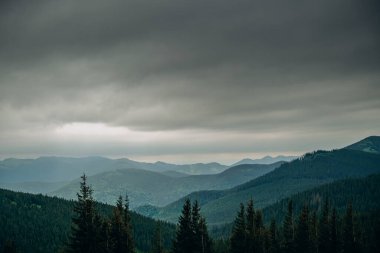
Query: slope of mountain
point(175, 174)
point(42, 224)
point(363, 193)
point(33, 187)
point(265, 160)
point(147, 187)
point(370, 144)
point(311, 170)
point(56, 169)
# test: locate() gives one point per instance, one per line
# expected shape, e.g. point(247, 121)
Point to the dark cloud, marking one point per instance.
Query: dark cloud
point(248, 67)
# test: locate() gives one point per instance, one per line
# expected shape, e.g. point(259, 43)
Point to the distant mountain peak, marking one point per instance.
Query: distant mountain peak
point(265, 160)
point(370, 144)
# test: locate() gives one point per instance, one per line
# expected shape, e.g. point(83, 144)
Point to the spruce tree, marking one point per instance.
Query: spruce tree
point(273, 243)
point(334, 245)
point(259, 232)
point(195, 226)
point(313, 232)
point(302, 237)
point(238, 237)
point(250, 227)
point(121, 238)
point(288, 230)
point(206, 242)
point(183, 242)
point(324, 240)
point(157, 243)
point(128, 227)
point(84, 228)
point(349, 241)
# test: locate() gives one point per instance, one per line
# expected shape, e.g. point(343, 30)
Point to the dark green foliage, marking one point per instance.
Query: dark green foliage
point(334, 239)
point(9, 247)
point(250, 220)
point(86, 224)
point(207, 243)
point(364, 194)
point(192, 235)
point(302, 236)
point(121, 234)
point(238, 237)
point(324, 229)
point(288, 231)
point(308, 172)
point(184, 237)
point(42, 224)
point(274, 246)
point(350, 244)
point(157, 244)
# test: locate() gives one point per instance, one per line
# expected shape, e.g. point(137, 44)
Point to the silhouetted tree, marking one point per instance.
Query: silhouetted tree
point(334, 245)
point(250, 220)
point(349, 240)
point(302, 237)
point(183, 242)
point(157, 243)
point(84, 229)
point(324, 240)
point(288, 230)
point(238, 237)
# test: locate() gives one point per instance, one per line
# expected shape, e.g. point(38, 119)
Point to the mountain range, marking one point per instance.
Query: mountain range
point(266, 160)
point(148, 187)
point(309, 171)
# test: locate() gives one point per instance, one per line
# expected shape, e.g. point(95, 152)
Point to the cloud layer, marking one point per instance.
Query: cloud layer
point(208, 77)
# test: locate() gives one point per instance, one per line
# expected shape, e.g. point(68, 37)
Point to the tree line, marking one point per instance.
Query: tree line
point(309, 232)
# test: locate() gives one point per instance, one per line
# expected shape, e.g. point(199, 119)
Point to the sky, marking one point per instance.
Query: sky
point(187, 81)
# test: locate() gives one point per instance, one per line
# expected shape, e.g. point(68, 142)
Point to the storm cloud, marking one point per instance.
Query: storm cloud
point(188, 78)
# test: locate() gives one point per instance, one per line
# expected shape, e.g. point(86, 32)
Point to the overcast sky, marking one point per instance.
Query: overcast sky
point(185, 81)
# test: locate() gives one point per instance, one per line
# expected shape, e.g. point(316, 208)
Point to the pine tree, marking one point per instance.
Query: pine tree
point(324, 240)
point(207, 245)
point(313, 233)
point(288, 230)
point(250, 227)
point(183, 242)
point(259, 234)
point(349, 241)
point(83, 230)
point(195, 226)
point(128, 227)
point(334, 246)
point(157, 243)
point(302, 237)
point(273, 243)
point(238, 237)
point(121, 237)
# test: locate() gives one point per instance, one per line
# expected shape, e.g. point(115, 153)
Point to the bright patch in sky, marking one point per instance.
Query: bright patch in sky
point(90, 129)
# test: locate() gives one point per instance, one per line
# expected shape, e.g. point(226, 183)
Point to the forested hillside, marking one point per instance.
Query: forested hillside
point(37, 223)
point(307, 172)
point(363, 193)
point(148, 187)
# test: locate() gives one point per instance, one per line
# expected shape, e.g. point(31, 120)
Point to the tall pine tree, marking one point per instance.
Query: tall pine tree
point(84, 229)
point(324, 240)
point(250, 227)
point(157, 243)
point(183, 242)
point(334, 245)
point(288, 230)
point(349, 240)
point(238, 238)
point(302, 237)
